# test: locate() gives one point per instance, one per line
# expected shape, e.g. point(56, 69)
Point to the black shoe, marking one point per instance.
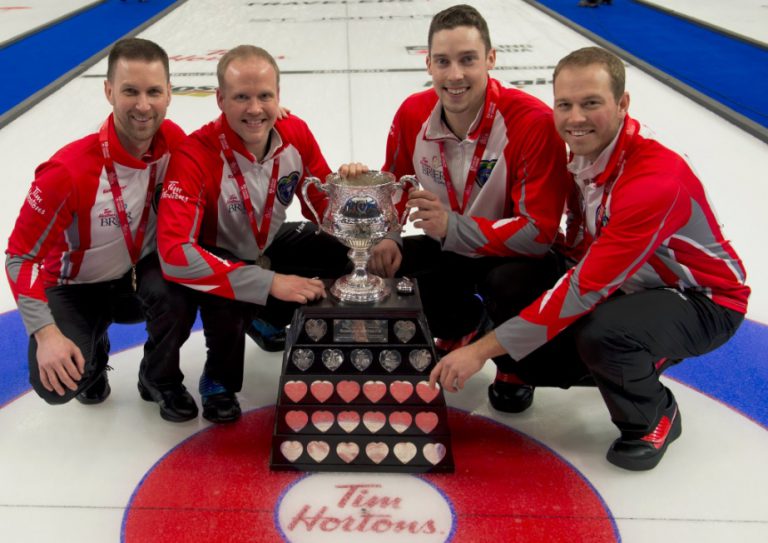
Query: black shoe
point(221, 407)
point(644, 453)
point(510, 398)
point(97, 392)
point(176, 404)
point(272, 343)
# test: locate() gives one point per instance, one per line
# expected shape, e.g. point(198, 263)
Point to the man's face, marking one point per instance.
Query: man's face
point(587, 115)
point(459, 65)
point(140, 94)
point(249, 99)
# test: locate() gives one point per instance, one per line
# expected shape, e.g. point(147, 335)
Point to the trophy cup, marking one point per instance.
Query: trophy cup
point(354, 389)
point(360, 213)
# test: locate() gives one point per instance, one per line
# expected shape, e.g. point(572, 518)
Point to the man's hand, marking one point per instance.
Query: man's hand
point(430, 215)
point(292, 288)
point(59, 360)
point(385, 258)
point(352, 169)
point(283, 112)
point(454, 369)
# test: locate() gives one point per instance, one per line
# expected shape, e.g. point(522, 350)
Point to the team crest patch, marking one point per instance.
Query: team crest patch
point(484, 171)
point(286, 186)
point(601, 217)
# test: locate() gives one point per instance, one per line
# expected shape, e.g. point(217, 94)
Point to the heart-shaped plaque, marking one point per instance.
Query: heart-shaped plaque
point(303, 358)
point(434, 452)
point(374, 420)
point(348, 420)
point(389, 359)
point(420, 359)
point(296, 420)
point(377, 451)
point(405, 451)
point(318, 450)
point(400, 421)
point(404, 330)
point(332, 358)
point(361, 358)
point(347, 451)
point(426, 392)
point(291, 450)
point(295, 390)
point(315, 329)
point(322, 420)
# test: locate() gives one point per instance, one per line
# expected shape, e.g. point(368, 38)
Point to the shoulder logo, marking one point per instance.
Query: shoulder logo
point(35, 200)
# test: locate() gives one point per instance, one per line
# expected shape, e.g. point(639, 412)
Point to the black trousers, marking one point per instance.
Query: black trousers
point(456, 290)
point(297, 249)
point(620, 346)
point(84, 313)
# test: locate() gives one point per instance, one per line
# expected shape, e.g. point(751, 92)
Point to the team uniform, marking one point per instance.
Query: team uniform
point(654, 280)
point(506, 209)
point(208, 243)
point(68, 262)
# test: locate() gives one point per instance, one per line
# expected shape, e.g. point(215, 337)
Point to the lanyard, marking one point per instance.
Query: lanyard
point(482, 143)
point(132, 244)
point(259, 233)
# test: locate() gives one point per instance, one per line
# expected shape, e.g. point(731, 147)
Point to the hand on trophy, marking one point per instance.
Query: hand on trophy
point(430, 215)
point(386, 258)
point(455, 368)
point(352, 169)
point(292, 288)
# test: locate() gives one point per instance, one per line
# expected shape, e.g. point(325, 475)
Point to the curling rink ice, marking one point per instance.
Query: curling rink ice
point(118, 472)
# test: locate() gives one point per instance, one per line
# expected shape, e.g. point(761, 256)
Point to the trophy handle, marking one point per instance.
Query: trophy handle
point(414, 182)
point(304, 188)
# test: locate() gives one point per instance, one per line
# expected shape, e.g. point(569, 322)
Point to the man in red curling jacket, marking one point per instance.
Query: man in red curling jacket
point(652, 280)
point(82, 253)
point(221, 226)
point(492, 169)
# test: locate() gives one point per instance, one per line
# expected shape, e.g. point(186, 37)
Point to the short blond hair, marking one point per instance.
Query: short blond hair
point(242, 52)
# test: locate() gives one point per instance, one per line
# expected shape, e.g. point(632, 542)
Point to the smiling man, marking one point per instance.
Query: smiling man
point(652, 280)
point(492, 170)
point(82, 253)
point(222, 230)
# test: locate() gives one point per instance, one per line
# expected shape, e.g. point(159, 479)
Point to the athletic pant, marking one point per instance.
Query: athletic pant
point(84, 313)
point(622, 345)
point(454, 288)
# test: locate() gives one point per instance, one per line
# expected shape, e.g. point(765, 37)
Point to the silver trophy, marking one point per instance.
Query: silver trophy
point(361, 212)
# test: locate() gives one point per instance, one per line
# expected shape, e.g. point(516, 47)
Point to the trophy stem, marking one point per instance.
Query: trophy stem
point(360, 286)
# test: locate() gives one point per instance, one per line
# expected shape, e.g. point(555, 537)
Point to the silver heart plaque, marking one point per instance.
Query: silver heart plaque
point(303, 358)
point(389, 359)
point(420, 359)
point(405, 330)
point(332, 358)
point(361, 358)
point(315, 329)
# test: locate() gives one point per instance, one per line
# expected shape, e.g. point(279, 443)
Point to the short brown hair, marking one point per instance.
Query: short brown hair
point(243, 52)
point(136, 49)
point(460, 15)
point(595, 55)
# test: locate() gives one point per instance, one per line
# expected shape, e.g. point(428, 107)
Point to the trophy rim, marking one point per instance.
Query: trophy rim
point(334, 178)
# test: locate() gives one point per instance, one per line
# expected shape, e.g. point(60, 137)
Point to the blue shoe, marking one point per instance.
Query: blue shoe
point(219, 404)
point(266, 336)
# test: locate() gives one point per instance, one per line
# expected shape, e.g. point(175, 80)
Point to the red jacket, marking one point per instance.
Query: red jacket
point(516, 204)
point(649, 225)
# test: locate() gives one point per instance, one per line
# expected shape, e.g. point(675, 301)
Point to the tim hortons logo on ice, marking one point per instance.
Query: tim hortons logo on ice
point(342, 507)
